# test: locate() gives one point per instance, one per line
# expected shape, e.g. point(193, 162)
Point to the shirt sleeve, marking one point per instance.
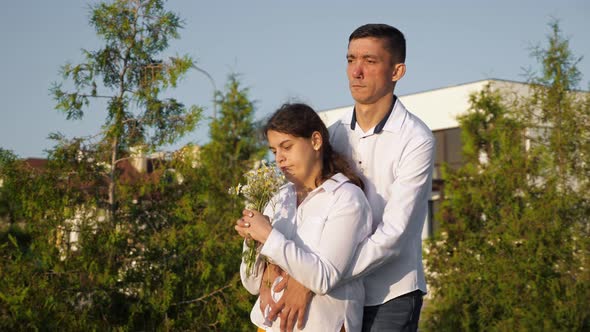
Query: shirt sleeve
point(320, 270)
point(403, 217)
point(252, 282)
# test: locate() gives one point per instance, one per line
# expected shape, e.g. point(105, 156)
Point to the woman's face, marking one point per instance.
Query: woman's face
point(298, 158)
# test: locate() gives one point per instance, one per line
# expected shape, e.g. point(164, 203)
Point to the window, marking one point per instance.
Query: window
point(448, 150)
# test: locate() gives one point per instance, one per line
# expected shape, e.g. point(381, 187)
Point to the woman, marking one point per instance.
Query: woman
point(316, 222)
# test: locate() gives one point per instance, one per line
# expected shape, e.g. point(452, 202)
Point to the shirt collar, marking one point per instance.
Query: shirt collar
point(334, 182)
point(330, 185)
point(381, 125)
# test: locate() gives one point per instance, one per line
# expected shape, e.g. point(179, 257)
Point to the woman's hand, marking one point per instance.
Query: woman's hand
point(242, 227)
point(253, 225)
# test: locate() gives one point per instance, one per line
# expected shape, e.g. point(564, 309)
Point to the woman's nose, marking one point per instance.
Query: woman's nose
point(279, 158)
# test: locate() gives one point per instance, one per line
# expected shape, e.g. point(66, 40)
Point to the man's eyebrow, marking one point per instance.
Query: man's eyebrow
point(364, 56)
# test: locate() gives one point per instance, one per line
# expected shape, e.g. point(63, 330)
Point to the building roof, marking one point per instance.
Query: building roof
point(438, 108)
point(36, 163)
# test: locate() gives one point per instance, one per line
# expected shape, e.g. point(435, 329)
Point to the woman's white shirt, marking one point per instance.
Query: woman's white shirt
point(315, 244)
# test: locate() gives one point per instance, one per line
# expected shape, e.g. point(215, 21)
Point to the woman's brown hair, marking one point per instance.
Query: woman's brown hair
point(300, 120)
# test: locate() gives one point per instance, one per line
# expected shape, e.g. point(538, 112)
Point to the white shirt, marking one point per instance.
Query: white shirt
point(315, 243)
point(396, 167)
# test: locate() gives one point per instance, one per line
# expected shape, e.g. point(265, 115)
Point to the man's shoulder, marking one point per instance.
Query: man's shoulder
point(342, 121)
point(411, 125)
point(416, 127)
point(338, 131)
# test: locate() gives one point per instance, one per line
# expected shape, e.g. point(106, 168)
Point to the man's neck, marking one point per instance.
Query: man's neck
point(369, 115)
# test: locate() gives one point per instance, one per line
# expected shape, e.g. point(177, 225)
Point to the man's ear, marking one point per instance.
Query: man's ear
point(316, 140)
point(399, 70)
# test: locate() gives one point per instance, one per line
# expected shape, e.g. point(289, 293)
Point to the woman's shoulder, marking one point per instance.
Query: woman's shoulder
point(344, 187)
point(351, 200)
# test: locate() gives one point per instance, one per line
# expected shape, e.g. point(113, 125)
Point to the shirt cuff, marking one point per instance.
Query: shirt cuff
point(272, 245)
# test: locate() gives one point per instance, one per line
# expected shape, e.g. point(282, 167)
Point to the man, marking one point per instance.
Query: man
point(393, 151)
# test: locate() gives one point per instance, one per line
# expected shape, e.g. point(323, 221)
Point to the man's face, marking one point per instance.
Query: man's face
point(370, 70)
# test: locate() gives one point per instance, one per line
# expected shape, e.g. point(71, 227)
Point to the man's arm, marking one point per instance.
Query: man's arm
point(402, 213)
point(320, 270)
point(349, 223)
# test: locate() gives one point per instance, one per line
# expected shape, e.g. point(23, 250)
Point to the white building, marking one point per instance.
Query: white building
point(439, 109)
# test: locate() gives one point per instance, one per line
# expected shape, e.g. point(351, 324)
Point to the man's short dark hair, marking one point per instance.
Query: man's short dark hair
point(395, 42)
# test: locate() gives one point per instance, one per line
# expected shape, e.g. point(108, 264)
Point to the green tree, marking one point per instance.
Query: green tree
point(28, 251)
point(124, 277)
point(513, 250)
point(97, 239)
point(128, 74)
point(232, 150)
point(171, 262)
point(235, 145)
point(197, 251)
point(8, 206)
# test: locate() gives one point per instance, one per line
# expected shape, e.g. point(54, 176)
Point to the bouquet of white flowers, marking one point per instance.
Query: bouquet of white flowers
point(262, 183)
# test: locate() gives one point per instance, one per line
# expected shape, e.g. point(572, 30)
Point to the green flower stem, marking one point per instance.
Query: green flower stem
point(249, 256)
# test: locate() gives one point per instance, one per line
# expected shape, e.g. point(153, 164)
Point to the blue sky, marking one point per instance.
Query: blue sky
point(282, 50)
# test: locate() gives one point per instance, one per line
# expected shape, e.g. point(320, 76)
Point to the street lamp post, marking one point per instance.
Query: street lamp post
point(204, 72)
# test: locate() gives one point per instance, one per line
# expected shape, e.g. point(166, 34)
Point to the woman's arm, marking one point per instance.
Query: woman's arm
point(347, 224)
point(252, 282)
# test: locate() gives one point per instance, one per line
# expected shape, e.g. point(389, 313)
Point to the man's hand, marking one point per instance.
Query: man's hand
point(292, 306)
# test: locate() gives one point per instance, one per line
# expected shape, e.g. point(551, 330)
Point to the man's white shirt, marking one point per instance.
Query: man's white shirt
point(396, 166)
